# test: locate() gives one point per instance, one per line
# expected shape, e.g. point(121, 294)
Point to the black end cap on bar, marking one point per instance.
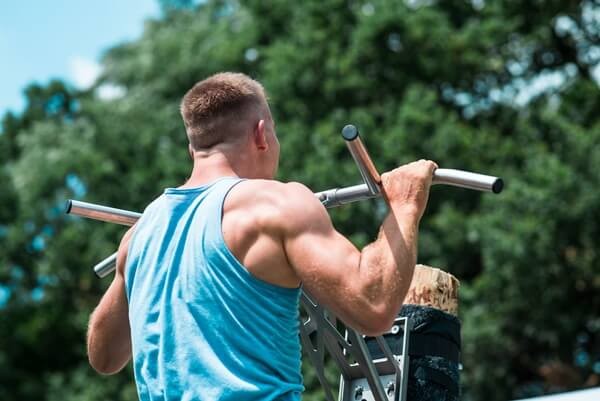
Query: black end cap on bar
point(69, 206)
point(350, 132)
point(498, 186)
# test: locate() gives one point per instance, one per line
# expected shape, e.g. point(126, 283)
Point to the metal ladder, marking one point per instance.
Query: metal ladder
point(362, 377)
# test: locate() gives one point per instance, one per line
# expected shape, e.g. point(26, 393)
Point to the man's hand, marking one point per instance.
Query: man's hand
point(406, 188)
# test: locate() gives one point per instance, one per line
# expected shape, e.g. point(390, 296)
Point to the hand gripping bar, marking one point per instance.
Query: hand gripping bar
point(372, 180)
point(458, 178)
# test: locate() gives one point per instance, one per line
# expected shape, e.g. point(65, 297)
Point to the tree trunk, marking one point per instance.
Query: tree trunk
point(435, 288)
point(434, 343)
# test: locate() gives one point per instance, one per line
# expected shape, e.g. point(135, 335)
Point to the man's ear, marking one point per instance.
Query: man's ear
point(260, 138)
point(191, 151)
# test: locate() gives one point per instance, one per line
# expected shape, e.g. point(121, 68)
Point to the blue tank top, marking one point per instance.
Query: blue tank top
point(202, 326)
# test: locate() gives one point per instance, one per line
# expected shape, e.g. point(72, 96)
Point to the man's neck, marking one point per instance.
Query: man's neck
point(208, 168)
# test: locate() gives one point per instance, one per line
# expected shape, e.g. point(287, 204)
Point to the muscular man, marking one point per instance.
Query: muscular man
point(205, 296)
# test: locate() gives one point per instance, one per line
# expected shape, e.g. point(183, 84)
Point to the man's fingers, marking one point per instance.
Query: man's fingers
point(423, 164)
point(428, 165)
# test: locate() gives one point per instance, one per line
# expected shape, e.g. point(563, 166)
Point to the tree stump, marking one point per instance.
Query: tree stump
point(434, 343)
point(435, 288)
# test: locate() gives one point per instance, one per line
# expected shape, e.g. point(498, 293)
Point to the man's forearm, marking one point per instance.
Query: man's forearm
point(388, 263)
point(109, 344)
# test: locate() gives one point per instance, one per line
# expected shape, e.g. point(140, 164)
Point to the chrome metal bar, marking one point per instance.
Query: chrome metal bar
point(466, 179)
point(102, 213)
point(330, 198)
point(107, 266)
point(340, 196)
point(367, 168)
point(442, 176)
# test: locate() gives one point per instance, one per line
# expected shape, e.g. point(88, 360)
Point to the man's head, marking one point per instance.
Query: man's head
point(230, 111)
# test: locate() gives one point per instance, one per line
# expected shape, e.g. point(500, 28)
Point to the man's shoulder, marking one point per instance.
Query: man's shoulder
point(274, 192)
point(277, 201)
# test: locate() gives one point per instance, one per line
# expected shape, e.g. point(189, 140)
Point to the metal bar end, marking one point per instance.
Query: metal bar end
point(350, 132)
point(498, 186)
point(69, 205)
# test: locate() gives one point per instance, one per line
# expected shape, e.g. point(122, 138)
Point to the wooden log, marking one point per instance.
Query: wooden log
point(435, 288)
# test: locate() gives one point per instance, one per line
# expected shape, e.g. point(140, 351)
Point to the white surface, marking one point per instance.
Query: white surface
point(582, 395)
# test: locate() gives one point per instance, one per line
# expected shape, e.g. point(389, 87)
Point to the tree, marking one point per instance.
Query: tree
point(420, 79)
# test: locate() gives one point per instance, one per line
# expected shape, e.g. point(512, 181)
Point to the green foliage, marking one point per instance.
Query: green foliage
point(421, 79)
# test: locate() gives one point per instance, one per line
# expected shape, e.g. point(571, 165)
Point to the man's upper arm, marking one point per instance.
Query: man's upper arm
point(325, 261)
point(122, 251)
point(109, 343)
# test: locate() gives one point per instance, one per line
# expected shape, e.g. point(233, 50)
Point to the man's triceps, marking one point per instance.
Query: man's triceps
point(327, 263)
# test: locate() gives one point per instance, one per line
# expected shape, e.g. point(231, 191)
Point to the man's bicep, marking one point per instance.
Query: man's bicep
point(122, 251)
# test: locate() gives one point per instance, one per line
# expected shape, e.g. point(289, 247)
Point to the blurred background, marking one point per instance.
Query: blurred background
point(89, 96)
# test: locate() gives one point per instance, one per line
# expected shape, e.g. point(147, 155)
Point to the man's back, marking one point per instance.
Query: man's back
point(202, 326)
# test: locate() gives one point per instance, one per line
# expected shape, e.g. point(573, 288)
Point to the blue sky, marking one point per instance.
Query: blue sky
point(43, 39)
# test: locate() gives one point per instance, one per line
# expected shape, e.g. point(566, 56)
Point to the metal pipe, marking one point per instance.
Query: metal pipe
point(466, 179)
point(330, 198)
point(359, 153)
point(102, 213)
point(107, 266)
point(444, 176)
point(340, 196)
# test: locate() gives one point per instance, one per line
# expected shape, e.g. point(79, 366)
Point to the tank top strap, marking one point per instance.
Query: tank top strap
point(215, 202)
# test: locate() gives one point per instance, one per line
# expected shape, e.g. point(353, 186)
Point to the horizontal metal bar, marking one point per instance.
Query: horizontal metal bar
point(331, 198)
point(102, 213)
point(444, 176)
point(107, 266)
point(340, 196)
point(466, 179)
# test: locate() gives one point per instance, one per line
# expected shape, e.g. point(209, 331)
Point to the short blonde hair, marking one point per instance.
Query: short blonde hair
point(214, 108)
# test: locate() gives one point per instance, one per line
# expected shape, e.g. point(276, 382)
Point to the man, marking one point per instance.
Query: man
point(206, 291)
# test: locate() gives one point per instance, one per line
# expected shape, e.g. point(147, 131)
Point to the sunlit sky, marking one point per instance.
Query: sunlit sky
point(42, 39)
